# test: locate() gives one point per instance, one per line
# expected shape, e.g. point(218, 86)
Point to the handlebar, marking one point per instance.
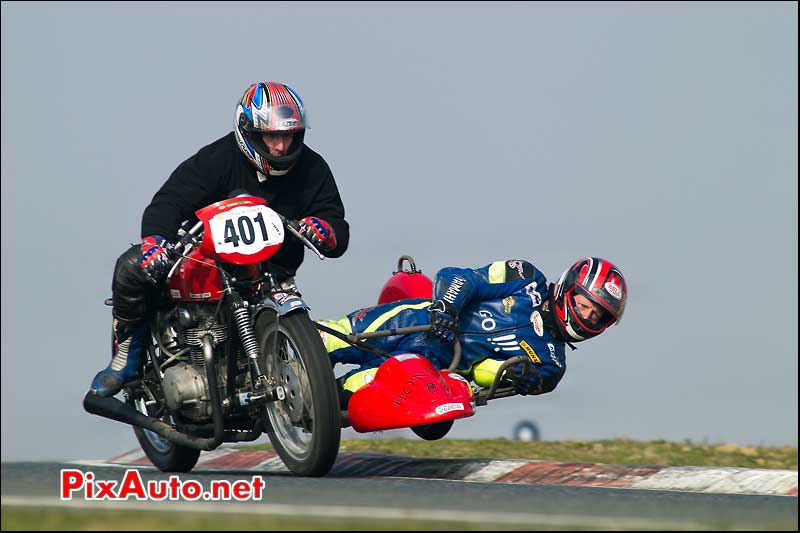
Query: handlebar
point(291, 225)
point(188, 240)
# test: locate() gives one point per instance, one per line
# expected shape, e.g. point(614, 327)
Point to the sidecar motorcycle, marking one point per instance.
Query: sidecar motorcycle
point(408, 390)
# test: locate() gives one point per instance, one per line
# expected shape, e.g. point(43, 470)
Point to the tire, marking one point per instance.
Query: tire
point(165, 455)
point(433, 431)
point(305, 427)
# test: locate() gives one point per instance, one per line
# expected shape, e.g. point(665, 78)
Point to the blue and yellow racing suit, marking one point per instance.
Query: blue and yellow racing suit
point(499, 316)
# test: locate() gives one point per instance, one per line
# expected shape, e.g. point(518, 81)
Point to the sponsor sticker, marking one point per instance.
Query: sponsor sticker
point(175, 293)
point(508, 304)
point(613, 290)
point(199, 295)
point(406, 356)
point(536, 298)
point(506, 343)
point(448, 407)
point(459, 377)
point(358, 317)
point(454, 289)
point(517, 265)
point(530, 351)
point(538, 323)
point(553, 354)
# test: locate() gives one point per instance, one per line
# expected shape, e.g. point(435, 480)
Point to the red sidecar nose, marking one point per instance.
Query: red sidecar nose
point(409, 391)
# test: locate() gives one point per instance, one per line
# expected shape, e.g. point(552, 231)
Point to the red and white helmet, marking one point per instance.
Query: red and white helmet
point(269, 107)
point(598, 280)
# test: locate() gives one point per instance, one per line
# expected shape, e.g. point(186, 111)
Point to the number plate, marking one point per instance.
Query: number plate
point(246, 230)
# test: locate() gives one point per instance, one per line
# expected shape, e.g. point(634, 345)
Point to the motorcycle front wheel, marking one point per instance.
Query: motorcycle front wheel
point(304, 427)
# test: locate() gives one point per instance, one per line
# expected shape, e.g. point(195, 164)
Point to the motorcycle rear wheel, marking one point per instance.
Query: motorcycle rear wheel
point(165, 455)
point(304, 427)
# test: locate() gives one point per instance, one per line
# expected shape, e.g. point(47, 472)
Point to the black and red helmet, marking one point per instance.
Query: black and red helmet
point(601, 282)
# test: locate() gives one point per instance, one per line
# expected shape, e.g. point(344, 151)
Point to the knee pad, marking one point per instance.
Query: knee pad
point(130, 289)
point(358, 379)
point(484, 372)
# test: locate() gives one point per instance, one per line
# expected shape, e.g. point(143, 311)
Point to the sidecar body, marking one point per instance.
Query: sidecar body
point(408, 390)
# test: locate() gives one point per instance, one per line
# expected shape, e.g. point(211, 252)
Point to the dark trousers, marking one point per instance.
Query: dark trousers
point(131, 293)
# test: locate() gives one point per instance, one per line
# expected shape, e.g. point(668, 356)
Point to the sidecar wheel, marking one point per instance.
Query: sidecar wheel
point(305, 427)
point(433, 431)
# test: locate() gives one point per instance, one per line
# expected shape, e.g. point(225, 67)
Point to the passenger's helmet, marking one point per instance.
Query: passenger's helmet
point(598, 280)
point(269, 107)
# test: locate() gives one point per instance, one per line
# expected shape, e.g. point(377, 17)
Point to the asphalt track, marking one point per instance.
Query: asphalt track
point(397, 497)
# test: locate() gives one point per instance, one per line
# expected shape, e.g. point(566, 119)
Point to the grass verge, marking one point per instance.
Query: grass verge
point(616, 451)
point(55, 519)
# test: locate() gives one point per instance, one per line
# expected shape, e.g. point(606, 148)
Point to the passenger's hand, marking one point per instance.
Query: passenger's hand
point(443, 321)
point(522, 378)
point(319, 232)
point(155, 261)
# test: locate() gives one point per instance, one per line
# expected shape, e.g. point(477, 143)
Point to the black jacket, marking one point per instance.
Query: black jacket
point(216, 170)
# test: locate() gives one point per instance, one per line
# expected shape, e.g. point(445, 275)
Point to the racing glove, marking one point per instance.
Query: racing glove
point(443, 321)
point(319, 232)
point(155, 261)
point(523, 378)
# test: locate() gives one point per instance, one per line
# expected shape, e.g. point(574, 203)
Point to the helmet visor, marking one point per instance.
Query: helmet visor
point(275, 119)
point(590, 314)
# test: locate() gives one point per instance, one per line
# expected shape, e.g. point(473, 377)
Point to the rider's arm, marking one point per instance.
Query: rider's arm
point(324, 202)
point(194, 184)
point(538, 379)
point(460, 286)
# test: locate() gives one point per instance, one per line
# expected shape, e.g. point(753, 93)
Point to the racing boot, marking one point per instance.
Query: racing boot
point(125, 361)
point(343, 395)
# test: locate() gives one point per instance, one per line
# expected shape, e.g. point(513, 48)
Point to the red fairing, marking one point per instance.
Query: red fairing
point(404, 285)
point(195, 281)
point(409, 391)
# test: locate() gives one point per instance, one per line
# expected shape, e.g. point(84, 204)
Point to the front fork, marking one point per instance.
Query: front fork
point(264, 389)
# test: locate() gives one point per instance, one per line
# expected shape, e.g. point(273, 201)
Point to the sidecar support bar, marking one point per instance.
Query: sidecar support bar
point(356, 338)
point(388, 332)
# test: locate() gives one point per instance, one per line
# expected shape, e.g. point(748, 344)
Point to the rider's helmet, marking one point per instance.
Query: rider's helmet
point(598, 280)
point(269, 107)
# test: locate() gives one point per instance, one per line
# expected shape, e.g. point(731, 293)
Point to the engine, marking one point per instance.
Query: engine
point(185, 383)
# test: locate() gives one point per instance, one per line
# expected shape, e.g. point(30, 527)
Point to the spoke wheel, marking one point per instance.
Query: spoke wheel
point(304, 427)
point(164, 454)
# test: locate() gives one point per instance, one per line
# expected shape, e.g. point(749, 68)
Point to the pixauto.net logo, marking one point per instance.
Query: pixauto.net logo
point(85, 485)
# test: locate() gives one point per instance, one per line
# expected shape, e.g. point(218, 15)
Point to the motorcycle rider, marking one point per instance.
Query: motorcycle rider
point(265, 154)
point(502, 310)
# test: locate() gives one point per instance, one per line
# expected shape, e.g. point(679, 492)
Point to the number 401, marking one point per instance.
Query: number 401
point(247, 233)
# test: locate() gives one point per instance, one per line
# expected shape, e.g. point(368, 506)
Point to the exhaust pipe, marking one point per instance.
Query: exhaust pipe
point(122, 412)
